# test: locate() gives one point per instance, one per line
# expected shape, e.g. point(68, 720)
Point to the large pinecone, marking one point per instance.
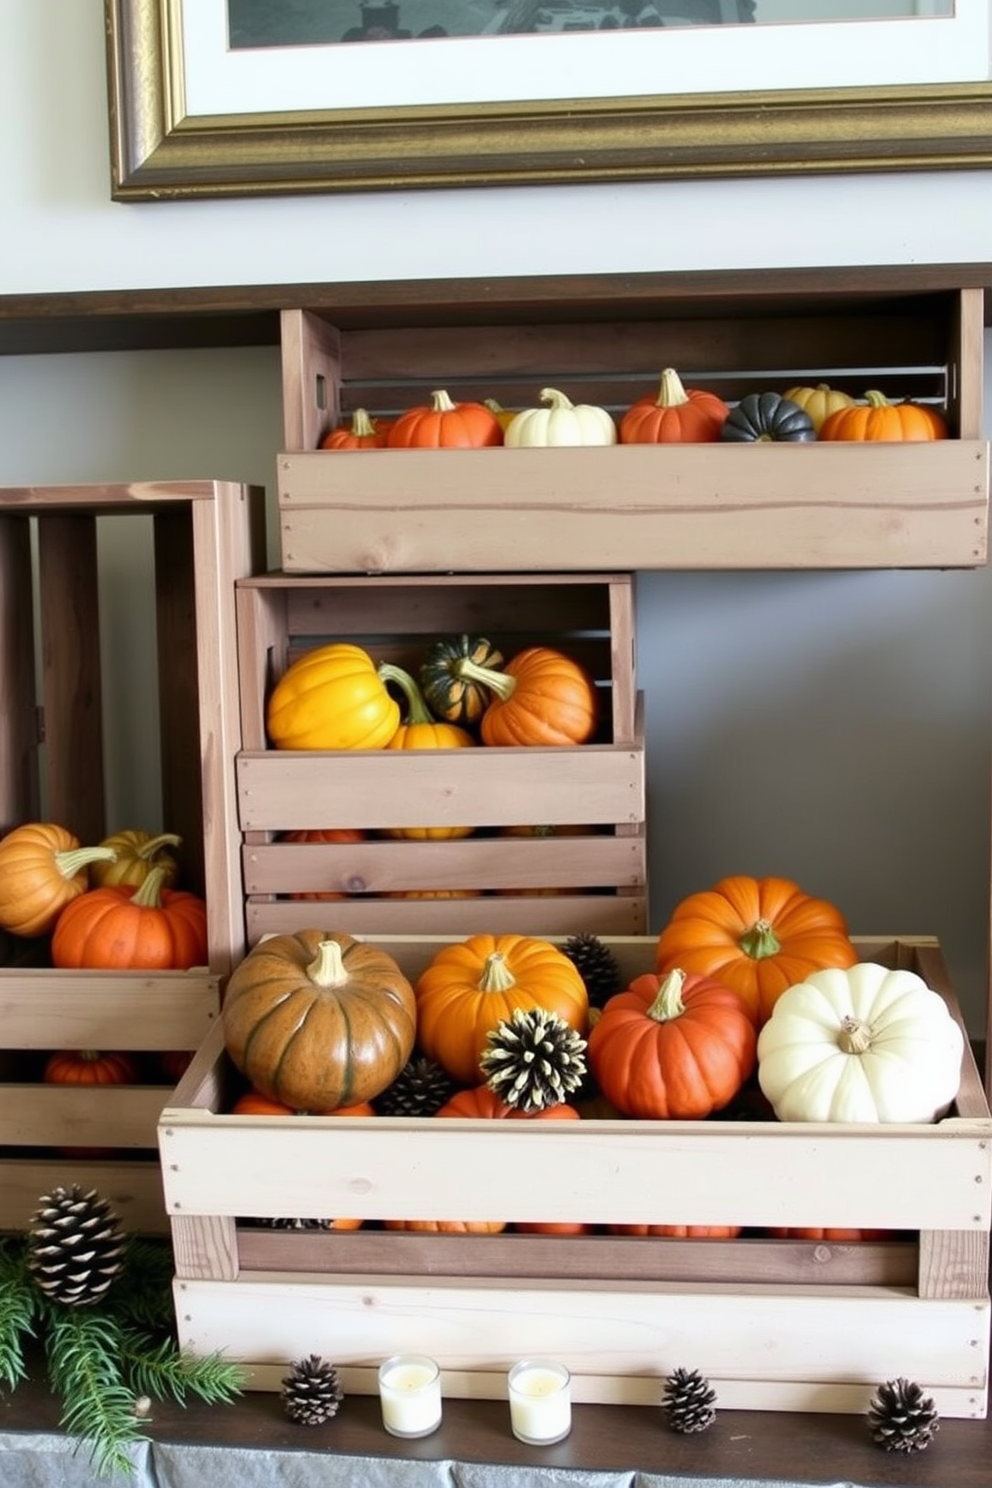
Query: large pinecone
point(901, 1418)
point(75, 1246)
point(420, 1089)
point(312, 1392)
point(596, 965)
point(533, 1059)
point(689, 1402)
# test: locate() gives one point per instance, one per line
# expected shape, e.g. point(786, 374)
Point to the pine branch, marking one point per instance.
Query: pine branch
point(83, 1349)
point(18, 1308)
point(142, 1294)
point(158, 1369)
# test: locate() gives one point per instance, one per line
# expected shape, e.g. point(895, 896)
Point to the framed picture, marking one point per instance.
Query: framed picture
point(212, 98)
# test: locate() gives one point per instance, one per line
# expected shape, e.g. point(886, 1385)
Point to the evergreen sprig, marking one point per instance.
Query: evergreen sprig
point(18, 1310)
point(159, 1370)
point(82, 1348)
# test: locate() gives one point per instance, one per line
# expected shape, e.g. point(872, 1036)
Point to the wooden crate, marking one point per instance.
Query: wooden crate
point(783, 1325)
point(552, 883)
point(706, 506)
point(54, 766)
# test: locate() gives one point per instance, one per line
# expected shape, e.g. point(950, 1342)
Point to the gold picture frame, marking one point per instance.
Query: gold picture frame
point(159, 151)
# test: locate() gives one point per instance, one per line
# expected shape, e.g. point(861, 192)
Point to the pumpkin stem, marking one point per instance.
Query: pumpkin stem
point(501, 683)
point(854, 1036)
point(327, 969)
point(875, 399)
point(149, 894)
point(671, 393)
point(441, 402)
point(760, 941)
point(417, 710)
point(555, 399)
point(668, 1004)
point(73, 859)
point(155, 844)
point(361, 425)
point(496, 975)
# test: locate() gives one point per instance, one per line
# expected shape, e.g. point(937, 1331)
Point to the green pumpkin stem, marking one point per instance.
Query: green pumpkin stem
point(73, 859)
point(501, 683)
point(362, 426)
point(760, 941)
point(155, 844)
point(875, 399)
point(149, 893)
point(671, 393)
point(327, 969)
point(668, 1004)
point(417, 710)
point(496, 975)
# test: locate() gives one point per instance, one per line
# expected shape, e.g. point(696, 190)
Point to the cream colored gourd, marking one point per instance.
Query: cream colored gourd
point(861, 1044)
point(561, 424)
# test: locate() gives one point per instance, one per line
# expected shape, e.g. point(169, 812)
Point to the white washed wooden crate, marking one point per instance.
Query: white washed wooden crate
point(776, 1324)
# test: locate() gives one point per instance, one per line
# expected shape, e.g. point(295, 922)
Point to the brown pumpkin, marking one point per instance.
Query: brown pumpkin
point(318, 1020)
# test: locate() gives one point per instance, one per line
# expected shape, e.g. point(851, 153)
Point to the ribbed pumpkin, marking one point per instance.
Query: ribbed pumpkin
point(448, 1226)
point(362, 433)
point(447, 691)
point(819, 401)
point(90, 1067)
point(479, 1102)
point(673, 1046)
point(542, 697)
point(878, 419)
point(318, 1020)
point(674, 415)
point(332, 698)
point(562, 423)
point(123, 928)
point(43, 867)
point(444, 424)
point(136, 853)
point(760, 418)
point(472, 985)
point(318, 835)
point(679, 1232)
point(757, 936)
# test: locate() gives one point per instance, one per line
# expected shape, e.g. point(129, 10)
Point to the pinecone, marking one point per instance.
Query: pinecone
point(75, 1247)
point(901, 1418)
point(312, 1392)
point(688, 1402)
point(293, 1224)
point(533, 1060)
point(596, 965)
point(420, 1089)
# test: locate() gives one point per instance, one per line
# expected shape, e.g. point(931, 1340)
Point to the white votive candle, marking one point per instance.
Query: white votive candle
point(540, 1402)
point(410, 1395)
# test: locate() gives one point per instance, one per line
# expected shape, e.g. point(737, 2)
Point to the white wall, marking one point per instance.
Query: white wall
point(832, 727)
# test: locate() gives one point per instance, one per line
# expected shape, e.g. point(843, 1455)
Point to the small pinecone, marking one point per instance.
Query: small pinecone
point(596, 965)
point(294, 1224)
point(533, 1059)
point(312, 1392)
point(688, 1402)
point(420, 1089)
point(75, 1246)
point(901, 1418)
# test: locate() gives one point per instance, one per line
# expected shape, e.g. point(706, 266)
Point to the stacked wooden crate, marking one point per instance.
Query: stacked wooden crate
point(54, 766)
point(368, 536)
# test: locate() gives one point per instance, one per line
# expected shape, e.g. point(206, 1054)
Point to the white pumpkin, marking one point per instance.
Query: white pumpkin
point(561, 423)
point(865, 1044)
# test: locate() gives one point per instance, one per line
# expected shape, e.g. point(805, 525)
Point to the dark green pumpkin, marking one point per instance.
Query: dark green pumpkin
point(450, 697)
point(760, 417)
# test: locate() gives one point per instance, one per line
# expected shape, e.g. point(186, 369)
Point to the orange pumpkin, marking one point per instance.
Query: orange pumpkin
point(674, 415)
point(837, 1236)
point(43, 867)
point(757, 935)
point(444, 424)
point(89, 1067)
point(672, 1046)
point(448, 1226)
point(878, 419)
point(542, 698)
point(122, 928)
point(679, 1232)
point(472, 985)
point(362, 433)
point(421, 730)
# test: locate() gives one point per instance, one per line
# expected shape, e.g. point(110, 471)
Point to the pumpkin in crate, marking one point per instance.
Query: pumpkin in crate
point(90, 1067)
point(347, 835)
point(761, 418)
point(362, 433)
point(833, 1235)
point(420, 730)
point(445, 424)
point(542, 697)
point(861, 1044)
point(560, 424)
point(332, 698)
point(448, 692)
point(318, 1020)
point(124, 928)
point(819, 401)
point(756, 935)
point(472, 985)
point(674, 415)
point(674, 1046)
point(879, 419)
point(678, 1232)
point(43, 867)
point(448, 1226)
point(135, 854)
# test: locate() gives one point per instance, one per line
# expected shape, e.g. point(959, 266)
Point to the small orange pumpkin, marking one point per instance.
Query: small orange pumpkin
point(361, 434)
point(878, 419)
point(90, 1067)
point(543, 697)
point(122, 928)
point(679, 1232)
point(837, 1236)
point(674, 415)
point(444, 424)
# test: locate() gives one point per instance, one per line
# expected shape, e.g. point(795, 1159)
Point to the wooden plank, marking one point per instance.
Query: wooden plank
point(551, 914)
point(81, 1115)
point(42, 1009)
point(635, 507)
point(19, 783)
point(637, 1332)
point(311, 377)
point(133, 1188)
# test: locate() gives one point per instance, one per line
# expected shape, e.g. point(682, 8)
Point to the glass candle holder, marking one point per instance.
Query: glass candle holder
point(410, 1395)
point(540, 1402)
